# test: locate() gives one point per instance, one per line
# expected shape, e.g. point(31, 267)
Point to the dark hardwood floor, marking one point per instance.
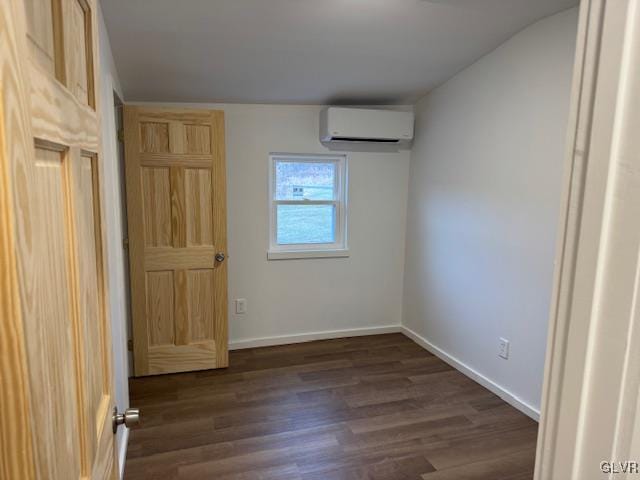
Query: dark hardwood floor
point(377, 407)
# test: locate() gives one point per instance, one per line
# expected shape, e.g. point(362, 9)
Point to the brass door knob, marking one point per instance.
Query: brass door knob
point(130, 418)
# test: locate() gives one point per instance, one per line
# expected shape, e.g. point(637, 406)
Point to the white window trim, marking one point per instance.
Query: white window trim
point(319, 250)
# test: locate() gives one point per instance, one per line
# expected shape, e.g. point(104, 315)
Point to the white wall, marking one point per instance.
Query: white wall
point(116, 261)
point(302, 297)
point(483, 207)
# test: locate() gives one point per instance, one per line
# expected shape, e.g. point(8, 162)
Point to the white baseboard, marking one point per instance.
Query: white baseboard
point(308, 337)
point(122, 454)
point(502, 392)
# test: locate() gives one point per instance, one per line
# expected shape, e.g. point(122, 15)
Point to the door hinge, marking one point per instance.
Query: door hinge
point(121, 134)
point(130, 345)
point(125, 243)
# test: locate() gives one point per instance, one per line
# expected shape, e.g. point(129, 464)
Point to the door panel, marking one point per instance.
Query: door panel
point(156, 206)
point(160, 308)
point(77, 55)
point(40, 18)
point(91, 316)
point(199, 204)
point(154, 137)
point(50, 330)
point(53, 221)
point(200, 284)
point(176, 208)
point(198, 138)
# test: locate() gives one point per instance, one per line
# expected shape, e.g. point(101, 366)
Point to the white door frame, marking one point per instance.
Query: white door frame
point(590, 403)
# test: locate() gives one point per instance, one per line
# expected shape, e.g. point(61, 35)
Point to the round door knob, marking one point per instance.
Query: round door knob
point(130, 418)
point(220, 257)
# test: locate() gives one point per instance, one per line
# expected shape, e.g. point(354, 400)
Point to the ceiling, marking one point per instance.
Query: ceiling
point(305, 51)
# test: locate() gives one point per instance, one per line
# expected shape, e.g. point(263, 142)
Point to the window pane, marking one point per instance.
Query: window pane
point(305, 180)
point(306, 224)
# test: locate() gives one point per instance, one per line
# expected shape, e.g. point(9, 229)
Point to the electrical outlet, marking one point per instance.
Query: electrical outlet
point(503, 348)
point(241, 305)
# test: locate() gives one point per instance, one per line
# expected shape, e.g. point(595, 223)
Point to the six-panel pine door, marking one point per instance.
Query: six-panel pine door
point(175, 177)
point(55, 350)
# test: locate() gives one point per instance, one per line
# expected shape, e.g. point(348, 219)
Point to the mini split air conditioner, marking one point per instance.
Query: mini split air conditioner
point(365, 125)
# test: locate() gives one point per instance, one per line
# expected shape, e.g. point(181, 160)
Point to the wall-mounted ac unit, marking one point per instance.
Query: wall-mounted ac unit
point(339, 124)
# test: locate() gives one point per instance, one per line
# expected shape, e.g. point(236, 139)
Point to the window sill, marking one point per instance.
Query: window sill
point(300, 254)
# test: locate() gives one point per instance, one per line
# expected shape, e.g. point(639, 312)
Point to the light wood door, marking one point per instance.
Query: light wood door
point(175, 171)
point(55, 350)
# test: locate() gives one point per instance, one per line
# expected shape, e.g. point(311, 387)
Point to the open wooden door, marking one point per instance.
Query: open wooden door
point(55, 349)
point(175, 171)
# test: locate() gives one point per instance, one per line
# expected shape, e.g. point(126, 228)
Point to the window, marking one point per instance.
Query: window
point(307, 195)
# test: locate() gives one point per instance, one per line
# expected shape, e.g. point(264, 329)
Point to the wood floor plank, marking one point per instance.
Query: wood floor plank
point(364, 408)
point(517, 466)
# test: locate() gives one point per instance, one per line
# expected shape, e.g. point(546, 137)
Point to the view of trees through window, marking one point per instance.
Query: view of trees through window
point(306, 182)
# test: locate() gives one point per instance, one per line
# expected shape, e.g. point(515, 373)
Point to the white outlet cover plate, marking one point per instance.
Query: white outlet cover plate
point(503, 351)
point(241, 305)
